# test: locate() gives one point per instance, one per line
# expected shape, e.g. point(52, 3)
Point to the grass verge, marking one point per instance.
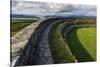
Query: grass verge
point(59, 49)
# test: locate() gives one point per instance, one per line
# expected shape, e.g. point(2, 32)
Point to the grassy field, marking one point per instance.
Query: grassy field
point(85, 21)
point(59, 49)
point(18, 25)
point(82, 43)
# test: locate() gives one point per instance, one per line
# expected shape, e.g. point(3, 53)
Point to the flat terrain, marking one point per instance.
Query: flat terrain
point(49, 43)
point(17, 25)
point(83, 44)
point(88, 40)
point(85, 20)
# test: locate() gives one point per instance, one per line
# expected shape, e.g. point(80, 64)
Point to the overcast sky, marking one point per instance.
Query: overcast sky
point(42, 8)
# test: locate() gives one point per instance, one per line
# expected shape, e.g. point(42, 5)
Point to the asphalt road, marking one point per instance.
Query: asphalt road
point(36, 51)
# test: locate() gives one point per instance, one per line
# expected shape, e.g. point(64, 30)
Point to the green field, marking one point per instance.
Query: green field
point(85, 20)
point(82, 43)
point(59, 48)
point(17, 25)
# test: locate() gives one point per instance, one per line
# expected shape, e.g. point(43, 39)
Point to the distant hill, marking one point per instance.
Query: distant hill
point(71, 16)
point(50, 16)
point(22, 16)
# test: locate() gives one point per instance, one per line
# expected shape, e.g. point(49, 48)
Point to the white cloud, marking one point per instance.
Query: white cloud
point(42, 8)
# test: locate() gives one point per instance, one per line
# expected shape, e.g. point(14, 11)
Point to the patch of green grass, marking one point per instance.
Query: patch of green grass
point(85, 21)
point(59, 49)
point(88, 40)
point(82, 42)
point(17, 26)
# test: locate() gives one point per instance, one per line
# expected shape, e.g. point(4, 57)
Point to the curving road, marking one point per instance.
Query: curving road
point(36, 51)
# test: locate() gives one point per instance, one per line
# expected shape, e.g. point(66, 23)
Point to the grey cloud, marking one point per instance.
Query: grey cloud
point(42, 8)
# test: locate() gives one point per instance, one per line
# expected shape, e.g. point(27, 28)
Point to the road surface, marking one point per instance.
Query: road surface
point(36, 51)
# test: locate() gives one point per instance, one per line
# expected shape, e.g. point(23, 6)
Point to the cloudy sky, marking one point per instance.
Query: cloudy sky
point(42, 8)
